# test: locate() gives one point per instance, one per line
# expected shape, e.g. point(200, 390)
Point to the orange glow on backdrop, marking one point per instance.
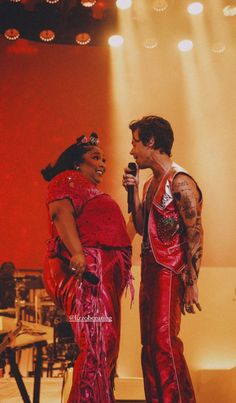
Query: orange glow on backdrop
point(48, 98)
point(52, 93)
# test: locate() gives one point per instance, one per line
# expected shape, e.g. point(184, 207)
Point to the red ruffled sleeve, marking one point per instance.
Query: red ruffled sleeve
point(74, 186)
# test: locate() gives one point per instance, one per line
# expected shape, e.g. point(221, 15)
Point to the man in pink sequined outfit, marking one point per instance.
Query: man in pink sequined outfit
point(87, 265)
point(169, 219)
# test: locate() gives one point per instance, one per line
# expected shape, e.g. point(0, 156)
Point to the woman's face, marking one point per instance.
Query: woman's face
point(93, 165)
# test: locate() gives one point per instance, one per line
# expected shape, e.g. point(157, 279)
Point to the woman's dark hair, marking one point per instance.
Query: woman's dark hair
point(71, 157)
point(156, 127)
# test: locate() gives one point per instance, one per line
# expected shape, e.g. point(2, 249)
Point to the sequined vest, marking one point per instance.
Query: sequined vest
point(165, 226)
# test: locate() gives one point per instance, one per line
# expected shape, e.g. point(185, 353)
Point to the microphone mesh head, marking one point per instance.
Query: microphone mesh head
point(133, 167)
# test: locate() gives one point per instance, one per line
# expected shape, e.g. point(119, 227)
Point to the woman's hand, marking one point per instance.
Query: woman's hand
point(78, 265)
point(190, 299)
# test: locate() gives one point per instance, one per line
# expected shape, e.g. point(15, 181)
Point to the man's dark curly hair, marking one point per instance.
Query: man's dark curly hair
point(152, 126)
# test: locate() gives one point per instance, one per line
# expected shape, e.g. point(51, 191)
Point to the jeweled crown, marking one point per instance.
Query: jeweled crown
point(85, 141)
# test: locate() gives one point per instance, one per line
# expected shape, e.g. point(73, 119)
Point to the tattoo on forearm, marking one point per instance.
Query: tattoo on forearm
point(193, 236)
point(196, 259)
point(195, 228)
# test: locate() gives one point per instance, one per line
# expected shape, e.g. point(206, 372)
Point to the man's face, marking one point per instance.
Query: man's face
point(140, 152)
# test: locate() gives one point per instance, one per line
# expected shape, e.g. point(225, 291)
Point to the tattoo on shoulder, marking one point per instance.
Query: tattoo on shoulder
point(181, 186)
point(177, 196)
point(189, 211)
point(182, 183)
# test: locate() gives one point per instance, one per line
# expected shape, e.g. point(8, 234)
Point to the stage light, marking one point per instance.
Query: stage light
point(52, 1)
point(218, 47)
point(195, 8)
point(33, 17)
point(115, 41)
point(150, 43)
point(160, 5)
point(123, 4)
point(12, 34)
point(87, 3)
point(185, 46)
point(229, 11)
point(83, 38)
point(47, 35)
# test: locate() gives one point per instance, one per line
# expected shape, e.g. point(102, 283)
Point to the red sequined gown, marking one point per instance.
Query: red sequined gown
point(93, 310)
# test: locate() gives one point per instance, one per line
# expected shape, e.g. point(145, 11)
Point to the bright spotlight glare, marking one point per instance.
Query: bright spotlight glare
point(123, 4)
point(229, 11)
point(195, 8)
point(185, 45)
point(116, 41)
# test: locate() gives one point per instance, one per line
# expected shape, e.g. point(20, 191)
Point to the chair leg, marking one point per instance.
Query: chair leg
point(38, 371)
point(17, 375)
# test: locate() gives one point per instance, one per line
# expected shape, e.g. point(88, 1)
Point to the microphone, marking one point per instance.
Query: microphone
point(91, 277)
point(130, 196)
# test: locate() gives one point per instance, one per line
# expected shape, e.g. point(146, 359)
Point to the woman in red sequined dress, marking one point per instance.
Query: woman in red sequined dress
point(87, 265)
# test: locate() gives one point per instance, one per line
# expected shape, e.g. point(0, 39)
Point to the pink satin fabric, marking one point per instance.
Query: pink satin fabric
point(166, 376)
point(94, 370)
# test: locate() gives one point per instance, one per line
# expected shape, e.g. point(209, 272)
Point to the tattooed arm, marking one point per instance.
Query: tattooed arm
point(187, 197)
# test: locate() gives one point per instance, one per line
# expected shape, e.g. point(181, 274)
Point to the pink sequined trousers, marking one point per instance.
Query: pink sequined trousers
point(166, 376)
point(94, 313)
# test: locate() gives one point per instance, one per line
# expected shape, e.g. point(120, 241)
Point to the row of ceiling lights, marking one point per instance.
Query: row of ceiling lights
point(84, 38)
point(185, 45)
point(193, 8)
point(48, 34)
point(85, 3)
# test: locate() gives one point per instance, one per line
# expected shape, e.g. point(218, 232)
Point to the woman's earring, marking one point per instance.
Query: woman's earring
point(77, 167)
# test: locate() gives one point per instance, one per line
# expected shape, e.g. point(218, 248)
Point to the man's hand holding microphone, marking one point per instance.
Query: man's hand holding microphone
point(130, 182)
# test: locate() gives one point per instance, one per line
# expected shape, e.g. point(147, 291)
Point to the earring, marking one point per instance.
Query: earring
point(77, 167)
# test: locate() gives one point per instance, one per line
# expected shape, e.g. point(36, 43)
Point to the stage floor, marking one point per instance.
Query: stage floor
point(50, 390)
